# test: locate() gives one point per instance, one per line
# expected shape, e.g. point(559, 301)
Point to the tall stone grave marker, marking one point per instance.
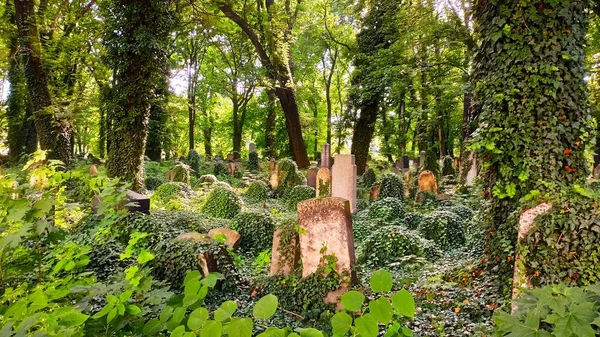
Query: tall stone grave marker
point(323, 183)
point(285, 256)
point(327, 223)
point(343, 179)
point(311, 177)
point(326, 156)
point(405, 163)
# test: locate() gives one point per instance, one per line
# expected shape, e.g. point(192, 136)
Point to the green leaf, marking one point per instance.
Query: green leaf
point(310, 332)
point(112, 314)
point(576, 322)
point(178, 331)
point(366, 326)
point(353, 300)
point(165, 314)
point(404, 303)
point(381, 309)
point(73, 318)
point(192, 287)
point(133, 310)
point(381, 281)
point(197, 318)
point(265, 307)
point(145, 256)
point(107, 308)
point(190, 299)
point(125, 296)
point(212, 329)
point(225, 311)
point(341, 323)
point(240, 327)
point(152, 327)
point(178, 315)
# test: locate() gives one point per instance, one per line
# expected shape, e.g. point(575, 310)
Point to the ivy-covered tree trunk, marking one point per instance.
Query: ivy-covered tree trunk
point(158, 120)
point(137, 42)
point(531, 92)
point(54, 133)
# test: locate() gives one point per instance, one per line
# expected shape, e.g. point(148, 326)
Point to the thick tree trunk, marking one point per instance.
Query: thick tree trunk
point(237, 129)
point(53, 133)
point(191, 122)
point(158, 120)
point(287, 98)
point(270, 130)
point(363, 134)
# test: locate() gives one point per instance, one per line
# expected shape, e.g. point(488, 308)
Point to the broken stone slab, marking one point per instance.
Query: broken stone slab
point(327, 230)
point(284, 260)
point(232, 238)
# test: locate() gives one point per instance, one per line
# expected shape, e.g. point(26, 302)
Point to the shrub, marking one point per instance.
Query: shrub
point(412, 220)
point(464, 212)
point(181, 173)
point(152, 183)
point(169, 191)
point(368, 178)
point(391, 186)
point(297, 194)
point(253, 162)
point(443, 227)
point(193, 159)
point(426, 198)
point(257, 191)
point(387, 210)
point(222, 203)
point(448, 166)
point(387, 244)
point(208, 179)
point(220, 168)
point(432, 162)
point(288, 175)
point(363, 227)
point(256, 230)
point(77, 189)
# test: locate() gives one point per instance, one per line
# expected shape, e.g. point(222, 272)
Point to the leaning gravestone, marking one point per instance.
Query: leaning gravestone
point(232, 238)
point(326, 156)
point(311, 177)
point(343, 179)
point(428, 182)
point(208, 262)
point(284, 260)
point(327, 227)
point(323, 183)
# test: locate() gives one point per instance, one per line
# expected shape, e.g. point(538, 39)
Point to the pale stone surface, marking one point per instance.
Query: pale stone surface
point(343, 179)
point(251, 147)
point(421, 159)
point(311, 177)
point(326, 156)
point(327, 226)
point(408, 182)
point(93, 170)
point(281, 264)
point(472, 174)
point(233, 237)
point(428, 182)
point(323, 179)
point(274, 180)
point(194, 236)
point(526, 219)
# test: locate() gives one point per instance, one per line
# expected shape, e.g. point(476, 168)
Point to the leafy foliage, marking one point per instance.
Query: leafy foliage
point(193, 160)
point(391, 186)
point(443, 227)
point(297, 194)
point(256, 229)
point(368, 178)
point(257, 191)
point(222, 203)
point(253, 162)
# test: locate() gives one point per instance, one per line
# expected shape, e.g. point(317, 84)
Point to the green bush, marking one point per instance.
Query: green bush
point(208, 179)
point(443, 227)
point(391, 186)
point(412, 220)
point(193, 159)
point(222, 203)
point(288, 175)
point(257, 191)
point(170, 191)
point(368, 178)
point(253, 162)
point(427, 198)
point(464, 212)
point(363, 227)
point(256, 230)
point(388, 210)
point(388, 244)
point(77, 189)
point(220, 168)
point(432, 163)
point(152, 183)
point(297, 194)
point(448, 166)
point(181, 173)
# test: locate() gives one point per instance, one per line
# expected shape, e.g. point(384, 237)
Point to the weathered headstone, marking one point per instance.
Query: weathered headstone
point(229, 156)
point(323, 184)
point(472, 174)
point(274, 180)
point(421, 159)
point(408, 183)
point(374, 192)
point(326, 156)
point(232, 238)
point(208, 263)
point(251, 147)
point(428, 182)
point(93, 170)
point(405, 162)
point(343, 179)
point(231, 168)
point(327, 224)
point(311, 177)
point(272, 165)
point(137, 202)
point(286, 259)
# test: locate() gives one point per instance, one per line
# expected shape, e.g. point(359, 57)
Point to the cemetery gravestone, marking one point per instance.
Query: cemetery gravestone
point(232, 238)
point(323, 183)
point(405, 163)
point(311, 177)
point(428, 182)
point(327, 226)
point(343, 179)
point(326, 156)
point(93, 170)
point(472, 174)
point(284, 260)
point(251, 147)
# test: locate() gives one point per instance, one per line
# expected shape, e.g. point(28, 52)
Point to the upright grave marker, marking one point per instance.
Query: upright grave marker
point(326, 156)
point(343, 179)
point(311, 177)
point(323, 183)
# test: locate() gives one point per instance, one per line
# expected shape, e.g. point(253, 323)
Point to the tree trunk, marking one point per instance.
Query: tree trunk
point(157, 121)
point(237, 130)
point(191, 121)
point(363, 134)
point(270, 130)
point(53, 133)
point(287, 98)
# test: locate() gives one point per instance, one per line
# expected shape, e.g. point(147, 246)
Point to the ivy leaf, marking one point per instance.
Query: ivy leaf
point(212, 329)
point(366, 326)
point(404, 303)
point(381, 309)
point(240, 327)
point(353, 300)
point(341, 323)
point(381, 281)
point(265, 307)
